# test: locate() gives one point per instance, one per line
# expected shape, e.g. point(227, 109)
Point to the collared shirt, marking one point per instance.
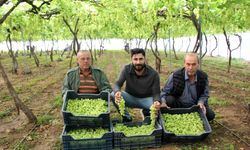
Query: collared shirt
point(87, 84)
point(147, 85)
point(189, 95)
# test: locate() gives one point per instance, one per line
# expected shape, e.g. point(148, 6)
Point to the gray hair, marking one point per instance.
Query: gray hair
point(192, 54)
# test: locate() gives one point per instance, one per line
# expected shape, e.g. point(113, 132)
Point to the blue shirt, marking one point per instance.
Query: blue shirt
point(189, 95)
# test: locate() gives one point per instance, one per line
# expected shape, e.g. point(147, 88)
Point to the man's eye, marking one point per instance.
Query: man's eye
point(85, 58)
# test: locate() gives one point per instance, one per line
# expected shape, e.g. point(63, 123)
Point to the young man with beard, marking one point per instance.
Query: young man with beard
point(188, 86)
point(142, 85)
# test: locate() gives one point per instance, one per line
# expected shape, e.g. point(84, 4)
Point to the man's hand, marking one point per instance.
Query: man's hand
point(203, 108)
point(118, 97)
point(157, 105)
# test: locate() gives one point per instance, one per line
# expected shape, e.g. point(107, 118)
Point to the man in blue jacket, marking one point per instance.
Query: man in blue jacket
point(188, 86)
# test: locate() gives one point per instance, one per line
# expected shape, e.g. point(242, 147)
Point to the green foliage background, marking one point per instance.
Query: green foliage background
point(124, 18)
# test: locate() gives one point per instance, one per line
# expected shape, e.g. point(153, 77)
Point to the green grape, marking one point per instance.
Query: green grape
point(121, 106)
point(183, 124)
point(135, 130)
point(87, 133)
point(87, 107)
point(153, 115)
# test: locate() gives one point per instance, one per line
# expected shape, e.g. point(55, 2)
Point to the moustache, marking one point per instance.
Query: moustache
point(141, 66)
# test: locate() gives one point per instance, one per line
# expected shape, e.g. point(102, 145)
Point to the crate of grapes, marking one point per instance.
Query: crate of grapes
point(184, 124)
point(86, 109)
point(77, 137)
point(137, 135)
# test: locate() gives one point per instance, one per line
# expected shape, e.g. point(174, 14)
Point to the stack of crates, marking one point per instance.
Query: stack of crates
point(122, 141)
point(72, 122)
point(168, 136)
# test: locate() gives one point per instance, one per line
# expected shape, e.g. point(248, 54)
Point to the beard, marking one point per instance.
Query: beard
point(139, 67)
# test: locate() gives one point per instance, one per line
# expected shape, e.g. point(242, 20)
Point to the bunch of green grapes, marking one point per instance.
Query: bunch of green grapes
point(135, 130)
point(121, 106)
point(87, 133)
point(153, 115)
point(183, 124)
point(87, 107)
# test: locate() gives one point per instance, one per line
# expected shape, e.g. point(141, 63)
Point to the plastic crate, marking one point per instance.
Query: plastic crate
point(171, 137)
point(69, 143)
point(103, 120)
point(122, 141)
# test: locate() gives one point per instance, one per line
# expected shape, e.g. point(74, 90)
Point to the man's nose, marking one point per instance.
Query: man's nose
point(190, 67)
point(137, 61)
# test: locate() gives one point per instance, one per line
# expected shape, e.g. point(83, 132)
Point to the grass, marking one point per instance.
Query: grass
point(44, 119)
point(196, 146)
point(200, 146)
point(23, 146)
point(5, 113)
point(229, 146)
point(57, 102)
point(233, 80)
point(222, 64)
point(33, 136)
point(215, 102)
point(6, 98)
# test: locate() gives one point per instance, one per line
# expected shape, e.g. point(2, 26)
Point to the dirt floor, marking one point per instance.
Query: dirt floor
point(41, 89)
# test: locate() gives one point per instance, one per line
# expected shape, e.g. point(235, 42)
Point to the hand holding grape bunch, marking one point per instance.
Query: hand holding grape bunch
point(120, 102)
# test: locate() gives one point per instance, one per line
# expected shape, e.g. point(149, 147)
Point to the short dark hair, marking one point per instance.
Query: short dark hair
point(137, 51)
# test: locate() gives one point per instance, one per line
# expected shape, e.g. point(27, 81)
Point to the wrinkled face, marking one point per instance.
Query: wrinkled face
point(84, 60)
point(191, 65)
point(138, 61)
